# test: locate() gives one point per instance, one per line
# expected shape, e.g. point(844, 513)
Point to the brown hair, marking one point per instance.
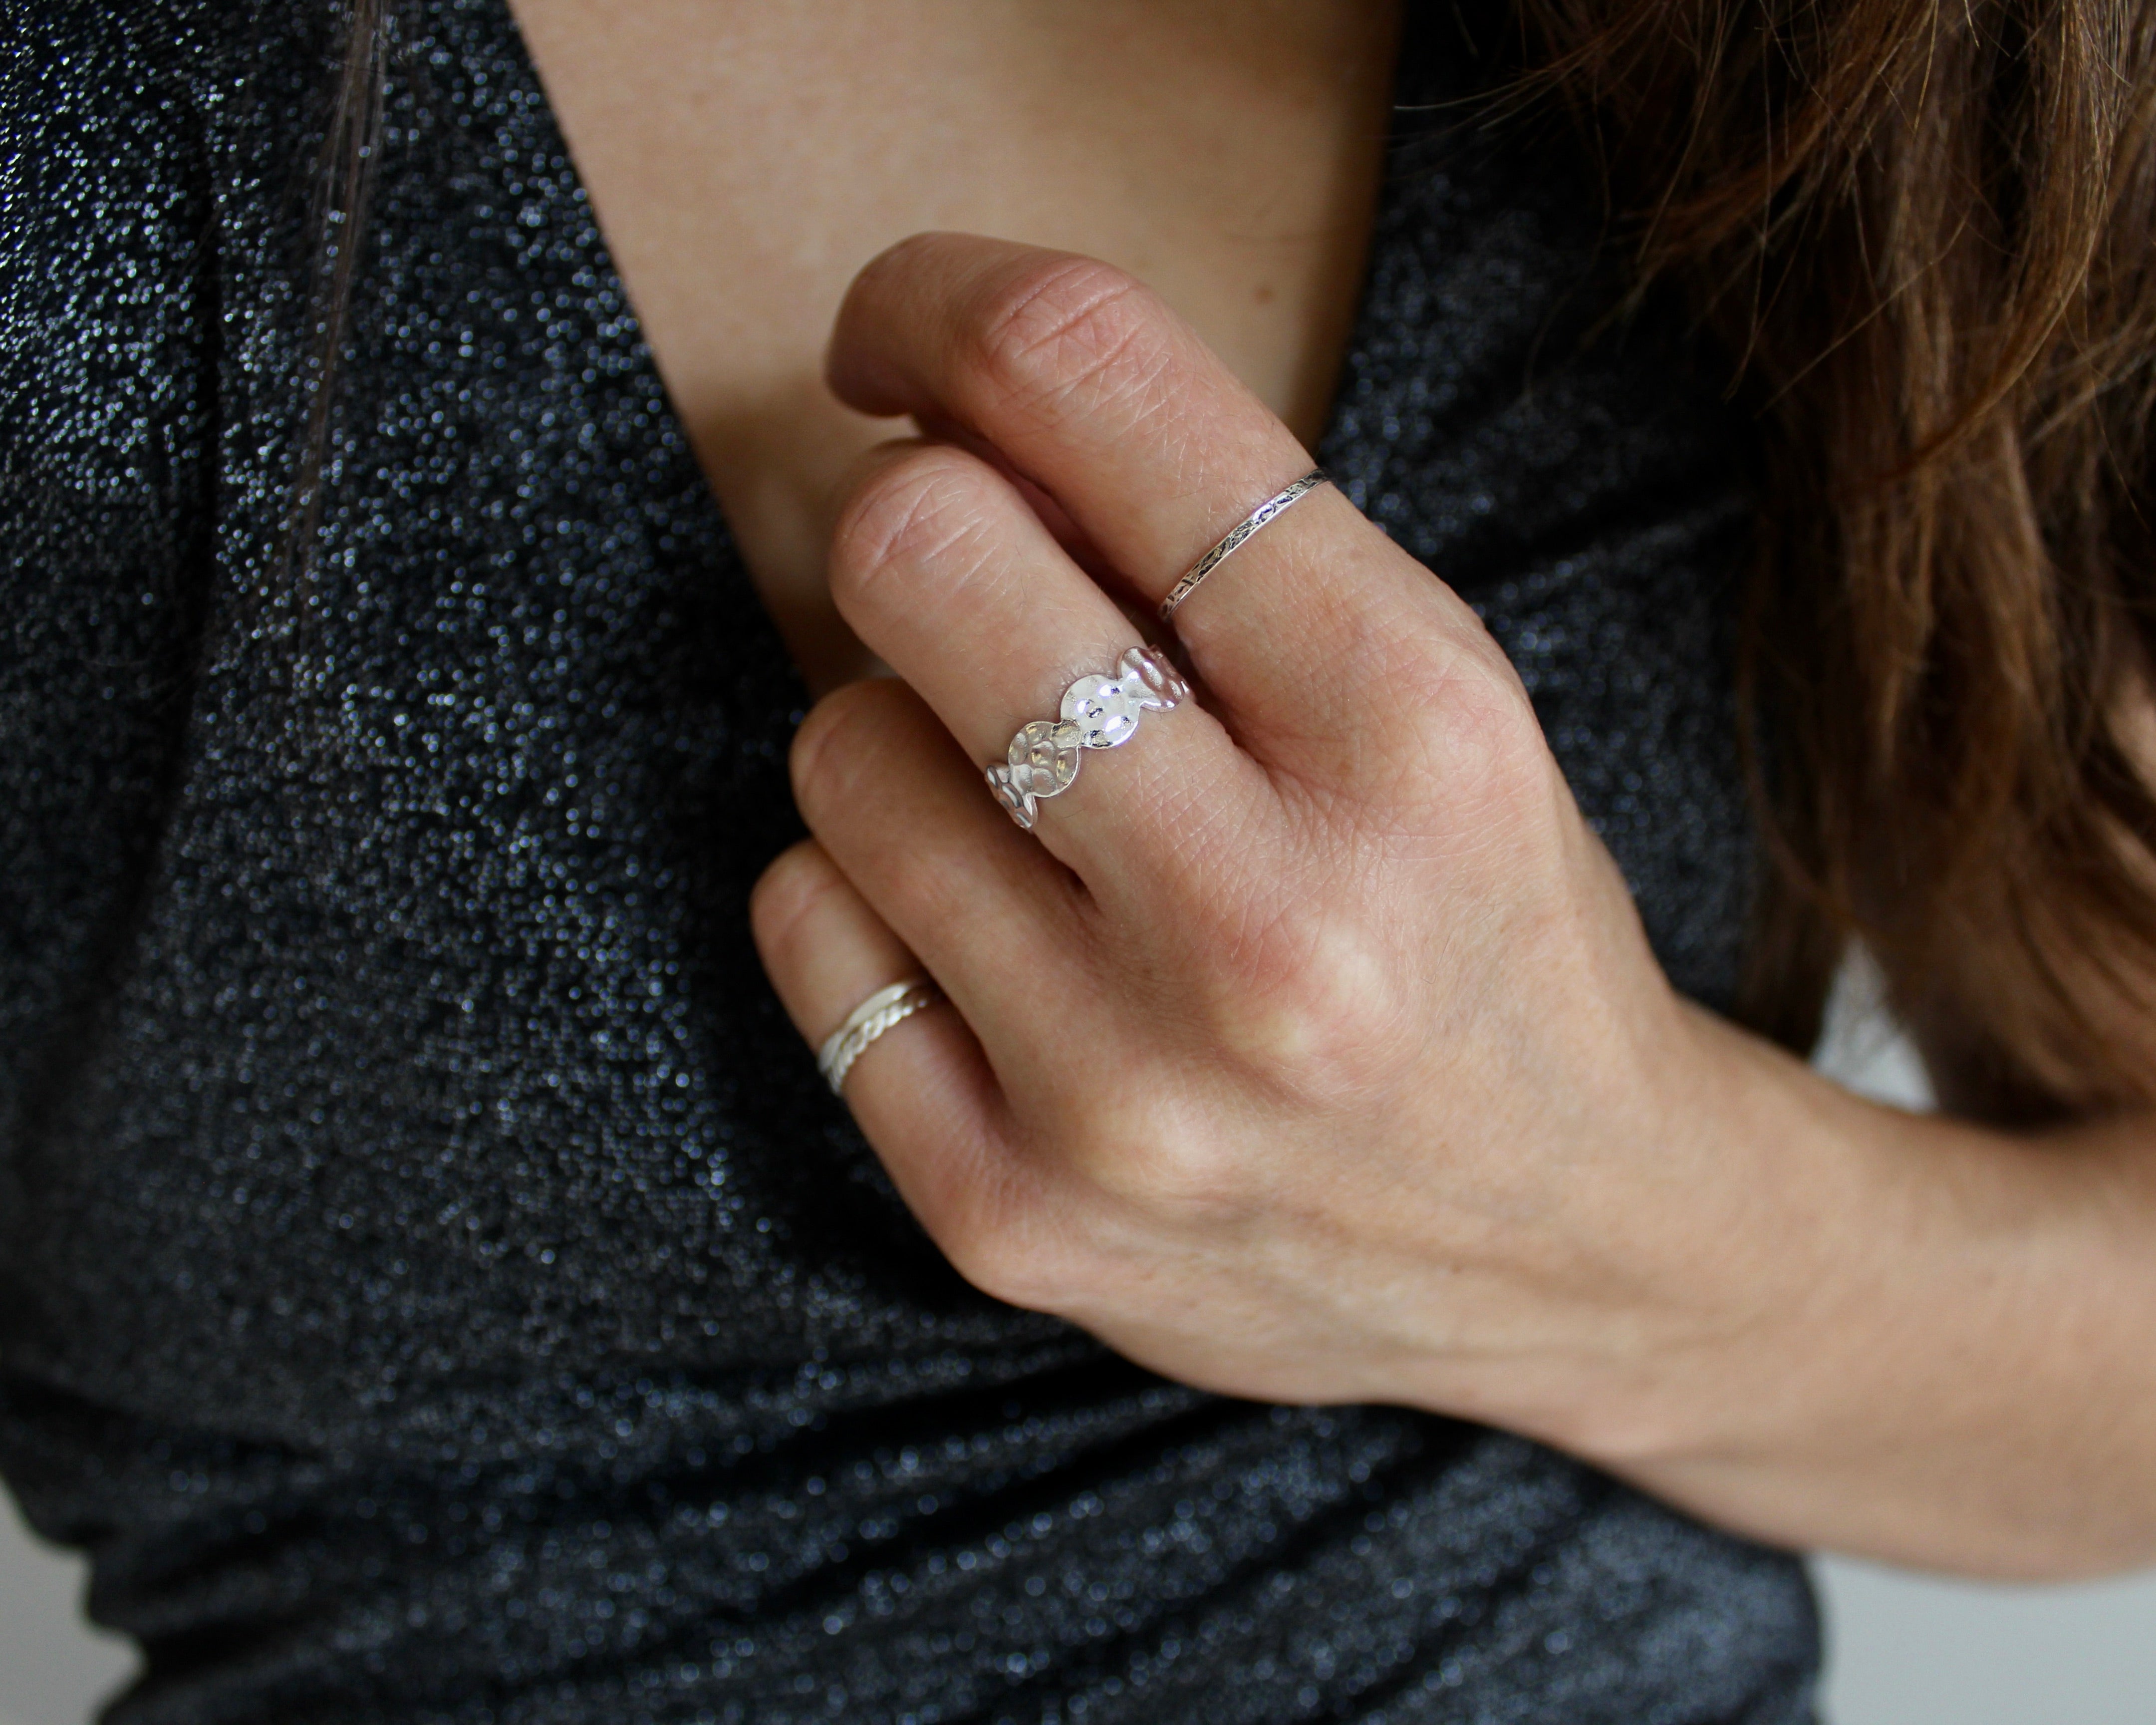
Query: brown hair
point(1925, 231)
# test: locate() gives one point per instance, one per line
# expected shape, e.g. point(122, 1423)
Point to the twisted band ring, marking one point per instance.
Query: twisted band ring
point(868, 1020)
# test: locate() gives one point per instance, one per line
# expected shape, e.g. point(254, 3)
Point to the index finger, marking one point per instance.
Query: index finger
point(1097, 392)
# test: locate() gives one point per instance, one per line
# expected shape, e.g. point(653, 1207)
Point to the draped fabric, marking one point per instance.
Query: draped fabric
point(434, 1285)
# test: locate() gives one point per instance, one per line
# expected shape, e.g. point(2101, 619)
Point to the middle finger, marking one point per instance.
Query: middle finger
point(1318, 633)
point(943, 569)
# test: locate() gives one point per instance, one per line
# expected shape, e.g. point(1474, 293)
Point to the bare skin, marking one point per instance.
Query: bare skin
point(744, 161)
point(1379, 1094)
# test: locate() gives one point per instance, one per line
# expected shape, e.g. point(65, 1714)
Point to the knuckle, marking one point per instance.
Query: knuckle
point(1067, 326)
point(1463, 746)
point(1313, 1004)
point(1487, 737)
point(1480, 726)
point(990, 1244)
point(1151, 1160)
point(1001, 1265)
point(917, 509)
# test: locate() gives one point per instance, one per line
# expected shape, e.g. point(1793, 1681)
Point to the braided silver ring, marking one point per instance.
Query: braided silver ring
point(868, 1020)
point(1232, 540)
point(1097, 713)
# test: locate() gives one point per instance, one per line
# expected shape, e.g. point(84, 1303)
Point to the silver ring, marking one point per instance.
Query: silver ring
point(1234, 538)
point(1097, 713)
point(868, 1020)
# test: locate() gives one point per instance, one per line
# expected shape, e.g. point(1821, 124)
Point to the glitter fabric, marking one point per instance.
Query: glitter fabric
point(434, 1285)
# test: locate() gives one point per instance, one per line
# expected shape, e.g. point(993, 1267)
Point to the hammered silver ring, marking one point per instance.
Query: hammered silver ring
point(1097, 712)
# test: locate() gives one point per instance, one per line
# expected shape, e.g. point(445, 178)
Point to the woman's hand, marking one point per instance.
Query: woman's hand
point(1310, 1048)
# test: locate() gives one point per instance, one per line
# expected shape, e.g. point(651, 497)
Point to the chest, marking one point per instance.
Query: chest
point(744, 160)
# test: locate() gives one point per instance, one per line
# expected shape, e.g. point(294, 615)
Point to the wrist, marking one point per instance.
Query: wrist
point(1769, 1237)
point(1931, 1339)
point(1711, 1269)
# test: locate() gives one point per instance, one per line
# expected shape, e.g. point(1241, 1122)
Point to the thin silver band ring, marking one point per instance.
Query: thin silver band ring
point(1232, 540)
point(868, 1020)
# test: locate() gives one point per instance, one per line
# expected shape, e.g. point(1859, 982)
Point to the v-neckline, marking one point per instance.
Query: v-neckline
point(1401, 129)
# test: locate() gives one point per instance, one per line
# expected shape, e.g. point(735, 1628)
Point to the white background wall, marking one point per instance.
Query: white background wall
point(1902, 1650)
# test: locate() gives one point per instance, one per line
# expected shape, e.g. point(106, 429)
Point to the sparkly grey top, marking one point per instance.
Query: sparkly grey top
point(434, 1285)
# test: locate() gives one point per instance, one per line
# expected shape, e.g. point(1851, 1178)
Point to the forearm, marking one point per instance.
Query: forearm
point(1955, 1363)
point(1312, 1049)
